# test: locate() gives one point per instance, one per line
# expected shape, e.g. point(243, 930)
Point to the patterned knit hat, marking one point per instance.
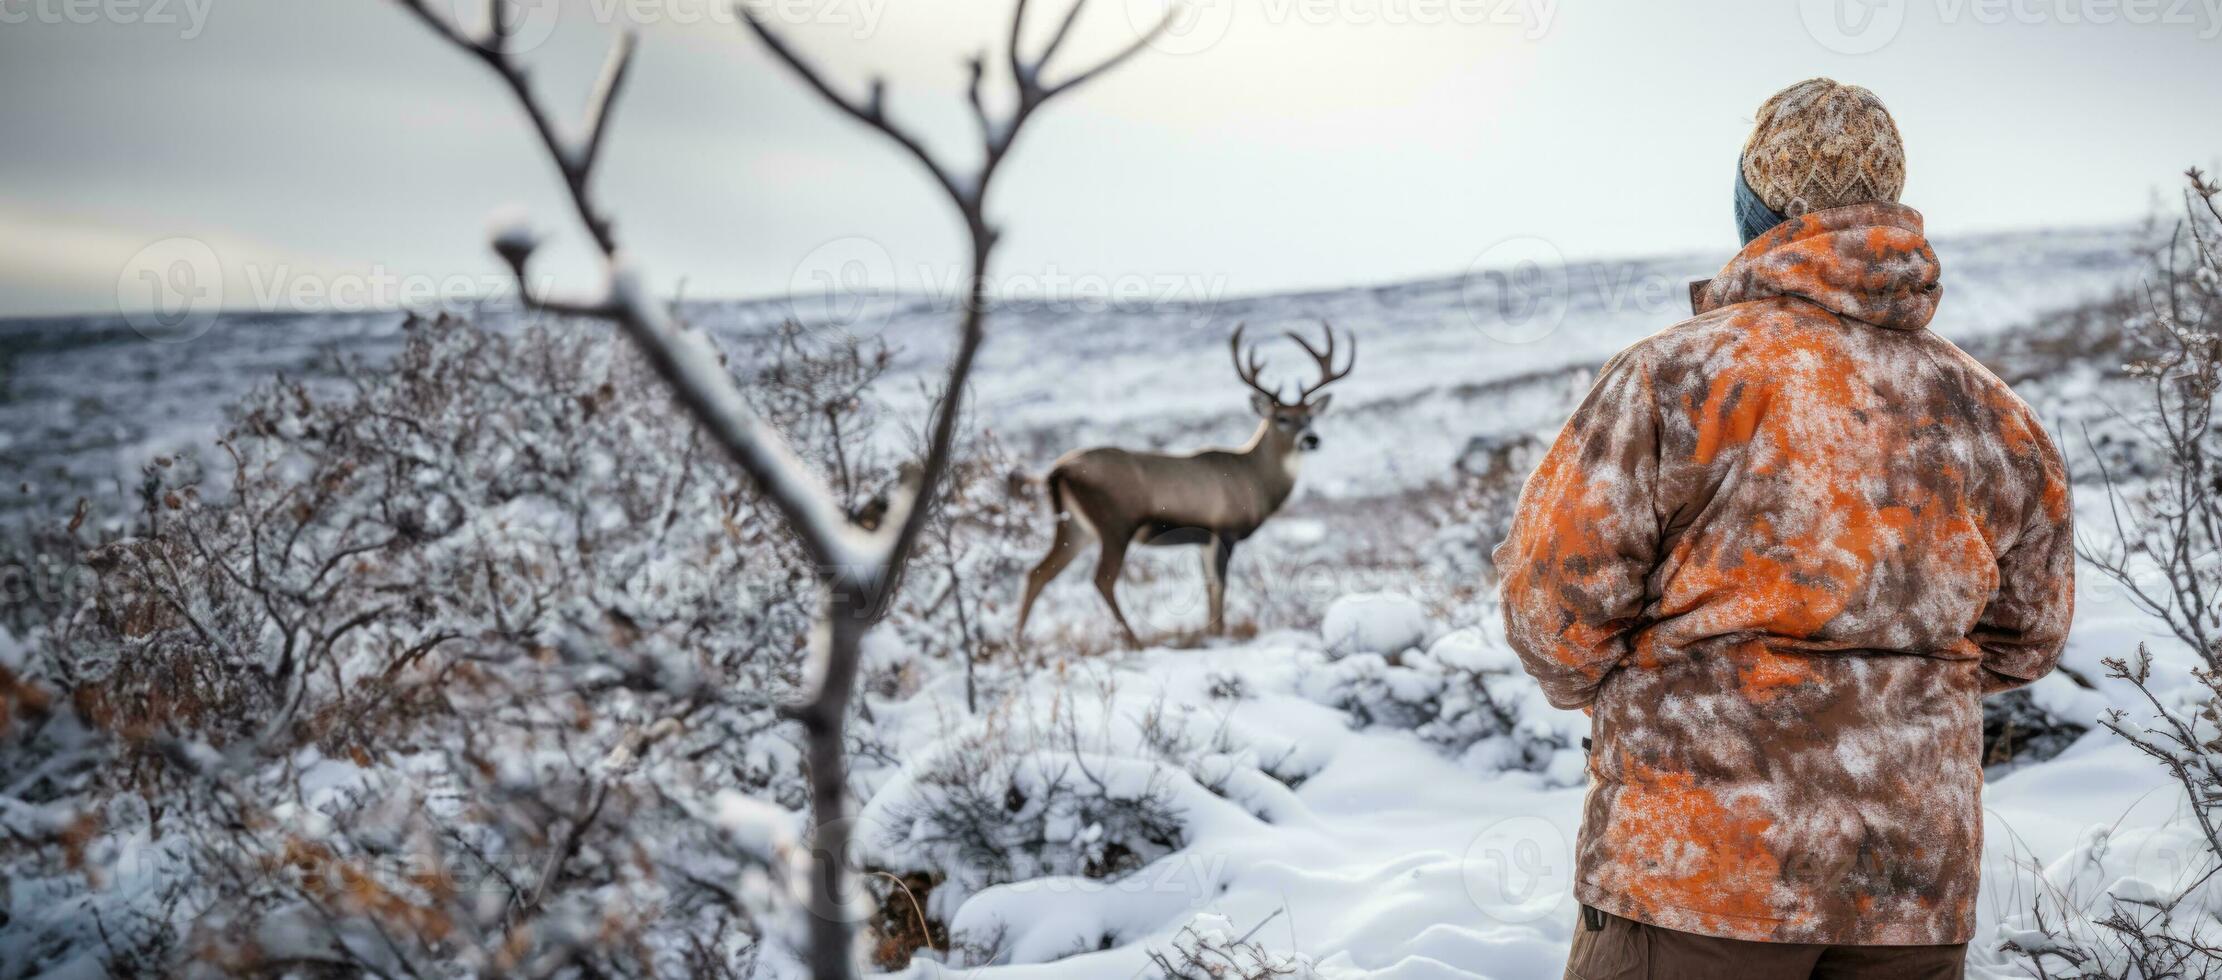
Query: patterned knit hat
point(1821, 144)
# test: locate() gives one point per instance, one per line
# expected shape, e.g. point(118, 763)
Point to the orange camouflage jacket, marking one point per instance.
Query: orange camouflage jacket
point(1780, 553)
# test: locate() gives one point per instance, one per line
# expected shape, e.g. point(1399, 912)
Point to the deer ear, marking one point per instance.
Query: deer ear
point(1261, 404)
point(1319, 405)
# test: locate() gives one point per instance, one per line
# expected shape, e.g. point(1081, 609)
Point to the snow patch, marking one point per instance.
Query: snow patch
point(1374, 622)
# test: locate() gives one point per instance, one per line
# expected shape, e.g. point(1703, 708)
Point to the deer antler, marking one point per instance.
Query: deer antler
point(1248, 372)
point(1327, 373)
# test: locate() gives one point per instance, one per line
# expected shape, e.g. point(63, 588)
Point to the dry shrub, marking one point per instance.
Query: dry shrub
point(451, 669)
point(2166, 528)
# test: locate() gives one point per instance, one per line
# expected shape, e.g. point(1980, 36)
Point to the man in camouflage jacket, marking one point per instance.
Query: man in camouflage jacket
point(1780, 553)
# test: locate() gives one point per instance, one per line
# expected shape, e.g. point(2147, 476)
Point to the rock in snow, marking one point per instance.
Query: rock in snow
point(1374, 622)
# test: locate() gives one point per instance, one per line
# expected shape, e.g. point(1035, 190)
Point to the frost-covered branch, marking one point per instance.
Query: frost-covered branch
point(574, 160)
point(685, 359)
point(2168, 529)
point(857, 567)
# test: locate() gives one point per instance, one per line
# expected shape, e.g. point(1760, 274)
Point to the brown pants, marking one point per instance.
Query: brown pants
point(1628, 950)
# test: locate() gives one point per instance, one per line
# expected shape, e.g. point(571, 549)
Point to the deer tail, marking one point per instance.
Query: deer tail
point(1053, 496)
point(1022, 485)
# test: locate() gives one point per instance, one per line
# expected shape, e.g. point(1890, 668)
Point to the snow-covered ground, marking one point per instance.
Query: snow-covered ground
point(1386, 859)
point(1391, 860)
point(1364, 850)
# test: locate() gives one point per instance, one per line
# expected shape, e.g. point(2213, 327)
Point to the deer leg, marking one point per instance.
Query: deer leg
point(1061, 553)
point(1216, 556)
point(1108, 563)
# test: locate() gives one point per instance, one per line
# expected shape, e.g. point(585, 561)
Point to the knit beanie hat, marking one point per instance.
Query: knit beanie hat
point(1822, 144)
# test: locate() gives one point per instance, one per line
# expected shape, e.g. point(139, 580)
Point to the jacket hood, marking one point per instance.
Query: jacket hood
point(1869, 262)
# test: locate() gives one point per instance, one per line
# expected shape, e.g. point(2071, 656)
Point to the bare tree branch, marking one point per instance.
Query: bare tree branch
point(858, 568)
point(605, 96)
point(683, 358)
point(908, 515)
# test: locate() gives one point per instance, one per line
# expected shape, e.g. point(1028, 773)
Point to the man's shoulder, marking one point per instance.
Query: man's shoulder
point(1974, 376)
point(1731, 331)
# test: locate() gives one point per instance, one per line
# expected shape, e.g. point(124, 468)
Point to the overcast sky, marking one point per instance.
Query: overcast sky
point(1273, 144)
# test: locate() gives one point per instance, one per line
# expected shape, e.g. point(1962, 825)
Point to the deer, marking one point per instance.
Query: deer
point(1215, 498)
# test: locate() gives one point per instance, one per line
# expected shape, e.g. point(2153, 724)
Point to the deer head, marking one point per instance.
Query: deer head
point(1288, 424)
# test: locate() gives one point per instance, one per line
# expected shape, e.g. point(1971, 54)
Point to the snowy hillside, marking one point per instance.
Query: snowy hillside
point(86, 401)
point(1356, 785)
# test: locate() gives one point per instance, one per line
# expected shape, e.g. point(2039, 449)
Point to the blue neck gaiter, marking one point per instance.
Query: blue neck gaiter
point(1753, 216)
